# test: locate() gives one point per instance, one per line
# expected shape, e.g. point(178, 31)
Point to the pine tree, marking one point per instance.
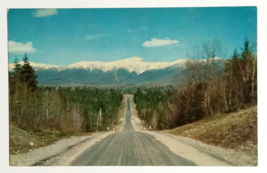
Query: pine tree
point(28, 75)
point(15, 77)
point(17, 68)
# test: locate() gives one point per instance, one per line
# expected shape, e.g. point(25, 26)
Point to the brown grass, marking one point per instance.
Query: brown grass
point(236, 130)
point(19, 139)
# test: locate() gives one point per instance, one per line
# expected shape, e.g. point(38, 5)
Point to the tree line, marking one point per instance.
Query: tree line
point(211, 85)
point(155, 106)
point(68, 109)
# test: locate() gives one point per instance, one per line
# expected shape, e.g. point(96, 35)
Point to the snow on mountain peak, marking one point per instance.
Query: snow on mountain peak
point(133, 64)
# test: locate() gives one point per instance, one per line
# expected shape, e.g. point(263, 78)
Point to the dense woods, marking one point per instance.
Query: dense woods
point(155, 106)
point(99, 108)
point(206, 89)
point(68, 109)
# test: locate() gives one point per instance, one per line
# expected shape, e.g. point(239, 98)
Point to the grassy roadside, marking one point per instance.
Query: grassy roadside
point(237, 131)
point(25, 140)
point(20, 139)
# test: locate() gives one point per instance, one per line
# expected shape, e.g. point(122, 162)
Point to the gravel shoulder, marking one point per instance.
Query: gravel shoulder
point(201, 153)
point(42, 155)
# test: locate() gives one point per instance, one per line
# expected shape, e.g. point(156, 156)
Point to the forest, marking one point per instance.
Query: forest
point(205, 90)
point(67, 109)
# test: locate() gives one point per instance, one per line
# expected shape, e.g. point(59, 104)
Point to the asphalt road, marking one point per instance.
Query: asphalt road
point(129, 148)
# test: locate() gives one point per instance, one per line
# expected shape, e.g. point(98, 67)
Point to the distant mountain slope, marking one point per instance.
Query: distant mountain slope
point(130, 70)
point(134, 64)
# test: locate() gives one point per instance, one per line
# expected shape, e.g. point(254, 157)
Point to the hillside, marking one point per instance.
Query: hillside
point(25, 140)
point(237, 131)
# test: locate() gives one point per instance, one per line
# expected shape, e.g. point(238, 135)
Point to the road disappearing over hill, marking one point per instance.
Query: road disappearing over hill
point(133, 147)
point(129, 147)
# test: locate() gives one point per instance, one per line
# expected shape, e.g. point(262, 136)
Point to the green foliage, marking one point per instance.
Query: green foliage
point(154, 105)
point(17, 68)
point(27, 74)
point(89, 101)
point(241, 76)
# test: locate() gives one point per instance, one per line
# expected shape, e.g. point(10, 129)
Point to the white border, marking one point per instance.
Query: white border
point(262, 58)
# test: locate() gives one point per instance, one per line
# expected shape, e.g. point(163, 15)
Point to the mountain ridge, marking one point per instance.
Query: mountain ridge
point(133, 64)
point(127, 71)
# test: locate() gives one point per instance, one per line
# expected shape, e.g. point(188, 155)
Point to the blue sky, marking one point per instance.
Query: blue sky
point(66, 36)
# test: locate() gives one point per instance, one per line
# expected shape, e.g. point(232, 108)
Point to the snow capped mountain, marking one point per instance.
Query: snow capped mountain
point(134, 64)
point(127, 71)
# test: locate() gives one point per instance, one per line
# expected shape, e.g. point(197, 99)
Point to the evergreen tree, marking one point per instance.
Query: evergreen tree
point(17, 68)
point(15, 77)
point(28, 75)
point(247, 54)
point(235, 55)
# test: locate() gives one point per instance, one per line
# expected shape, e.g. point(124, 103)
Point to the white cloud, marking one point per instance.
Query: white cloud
point(91, 37)
point(20, 48)
point(159, 42)
point(44, 12)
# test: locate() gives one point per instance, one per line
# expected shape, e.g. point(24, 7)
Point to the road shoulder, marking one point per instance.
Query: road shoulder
point(60, 153)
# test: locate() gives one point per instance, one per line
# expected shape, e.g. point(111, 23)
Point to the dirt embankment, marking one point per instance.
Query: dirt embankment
point(237, 131)
point(23, 141)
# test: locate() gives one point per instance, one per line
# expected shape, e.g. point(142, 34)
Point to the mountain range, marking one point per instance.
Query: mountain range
point(126, 71)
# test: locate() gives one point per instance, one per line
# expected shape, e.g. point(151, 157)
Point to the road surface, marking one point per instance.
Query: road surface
point(129, 147)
